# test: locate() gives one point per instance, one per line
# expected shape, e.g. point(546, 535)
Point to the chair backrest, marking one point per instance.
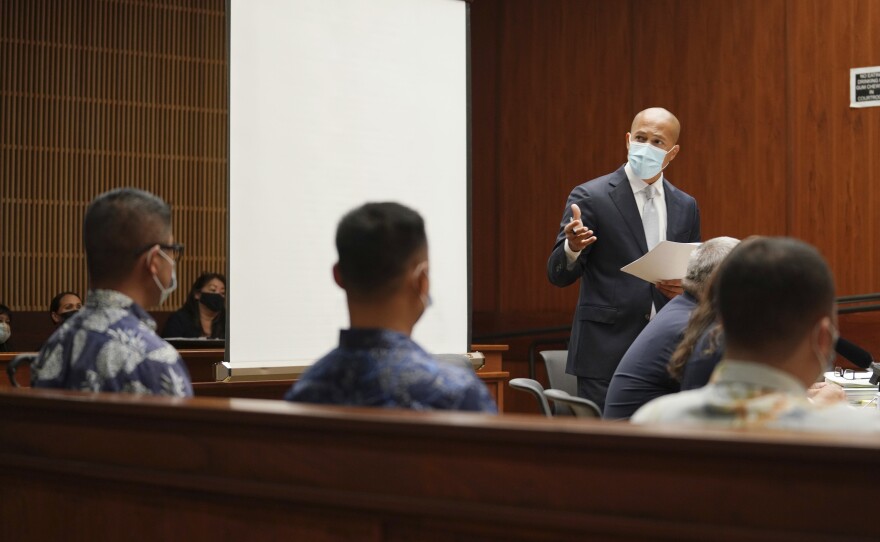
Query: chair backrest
point(580, 407)
point(554, 361)
point(536, 389)
point(13, 366)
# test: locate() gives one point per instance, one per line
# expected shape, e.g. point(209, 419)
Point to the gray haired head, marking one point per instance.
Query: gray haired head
point(703, 262)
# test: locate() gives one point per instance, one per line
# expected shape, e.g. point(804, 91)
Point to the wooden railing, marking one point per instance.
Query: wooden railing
point(106, 467)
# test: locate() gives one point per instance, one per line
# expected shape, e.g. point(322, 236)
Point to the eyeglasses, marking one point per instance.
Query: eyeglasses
point(174, 250)
point(848, 374)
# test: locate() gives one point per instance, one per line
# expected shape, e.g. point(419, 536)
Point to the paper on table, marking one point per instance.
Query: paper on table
point(667, 261)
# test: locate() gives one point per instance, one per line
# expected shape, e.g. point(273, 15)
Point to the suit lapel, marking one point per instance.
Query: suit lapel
point(674, 212)
point(622, 195)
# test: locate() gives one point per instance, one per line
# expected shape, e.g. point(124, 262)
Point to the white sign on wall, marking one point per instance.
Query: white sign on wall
point(864, 87)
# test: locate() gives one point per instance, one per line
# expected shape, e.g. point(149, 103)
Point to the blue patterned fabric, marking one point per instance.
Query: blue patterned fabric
point(374, 367)
point(111, 345)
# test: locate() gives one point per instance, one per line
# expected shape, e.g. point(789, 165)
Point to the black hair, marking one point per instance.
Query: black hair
point(56, 301)
point(191, 306)
point(771, 291)
point(6, 310)
point(119, 225)
point(375, 243)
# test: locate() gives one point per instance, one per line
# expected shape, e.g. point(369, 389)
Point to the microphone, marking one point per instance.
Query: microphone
point(854, 354)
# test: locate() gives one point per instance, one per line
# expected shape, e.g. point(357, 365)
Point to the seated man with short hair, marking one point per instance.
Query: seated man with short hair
point(642, 374)
point(775, 298)
point(110, 344)
point(383, 268)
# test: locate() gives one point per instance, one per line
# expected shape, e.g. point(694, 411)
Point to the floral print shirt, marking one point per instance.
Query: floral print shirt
point(383, 368)
point(111, 345)
point(745, 395)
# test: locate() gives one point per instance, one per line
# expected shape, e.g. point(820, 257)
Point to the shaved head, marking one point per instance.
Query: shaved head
point(660, 119)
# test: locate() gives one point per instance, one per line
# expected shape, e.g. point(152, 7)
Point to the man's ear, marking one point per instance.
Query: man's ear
point(825, 333)
point(337, 276)
point(150, 261)
point(55, 318)
point(673, 152)
point(424, 283)
point(627, 140)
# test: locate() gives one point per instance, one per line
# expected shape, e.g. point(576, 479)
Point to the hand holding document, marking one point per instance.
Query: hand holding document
point(667, 261)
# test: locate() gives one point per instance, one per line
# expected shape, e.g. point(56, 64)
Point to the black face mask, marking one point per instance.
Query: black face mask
point(65, 315)
point(214, 302)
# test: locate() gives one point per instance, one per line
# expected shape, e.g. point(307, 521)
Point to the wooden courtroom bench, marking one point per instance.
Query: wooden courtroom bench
point(109, 467)
point(201, 362)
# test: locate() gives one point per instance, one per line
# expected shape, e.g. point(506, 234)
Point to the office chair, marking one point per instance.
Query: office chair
point(536, 389)
point(13, 366)
point(554, 361)
point(580, 407)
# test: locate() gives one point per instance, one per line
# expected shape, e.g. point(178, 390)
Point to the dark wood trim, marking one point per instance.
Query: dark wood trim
point(204, 468)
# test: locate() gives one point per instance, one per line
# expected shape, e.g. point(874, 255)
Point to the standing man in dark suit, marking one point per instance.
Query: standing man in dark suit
point(630, 213)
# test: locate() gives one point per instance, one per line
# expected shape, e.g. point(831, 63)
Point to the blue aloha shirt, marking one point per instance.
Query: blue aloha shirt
point(382, 368)
point(111, 345)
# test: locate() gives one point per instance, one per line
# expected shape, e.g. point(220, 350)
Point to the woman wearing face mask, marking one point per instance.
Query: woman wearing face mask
point(204, 313)
point(5, 327)
point(63, 306)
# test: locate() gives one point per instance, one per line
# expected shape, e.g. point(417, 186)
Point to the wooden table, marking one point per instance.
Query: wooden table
point(490, 373)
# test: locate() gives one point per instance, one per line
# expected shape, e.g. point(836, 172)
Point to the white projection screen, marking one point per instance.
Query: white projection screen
point(334, 103)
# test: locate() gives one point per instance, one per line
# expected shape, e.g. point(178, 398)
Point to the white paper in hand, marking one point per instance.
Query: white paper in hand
point(668, 261)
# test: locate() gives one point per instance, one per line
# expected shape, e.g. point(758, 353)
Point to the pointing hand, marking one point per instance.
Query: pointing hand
point(579, 236)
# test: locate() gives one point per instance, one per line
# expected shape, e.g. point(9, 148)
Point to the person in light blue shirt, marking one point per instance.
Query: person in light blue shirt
point(110, 344)
point(383, 268)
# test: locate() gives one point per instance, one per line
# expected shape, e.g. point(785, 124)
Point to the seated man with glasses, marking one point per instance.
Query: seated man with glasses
point(111, 343)
point(775, 299)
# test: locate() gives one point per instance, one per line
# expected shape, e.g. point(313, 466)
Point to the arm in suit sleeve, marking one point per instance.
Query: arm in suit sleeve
point(559, 271)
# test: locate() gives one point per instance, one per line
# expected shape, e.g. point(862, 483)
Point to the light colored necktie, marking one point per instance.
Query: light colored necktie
point(650, 218)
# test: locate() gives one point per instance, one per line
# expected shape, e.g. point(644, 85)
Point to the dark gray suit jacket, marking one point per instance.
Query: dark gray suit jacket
point(613, 306)
point(642, 375)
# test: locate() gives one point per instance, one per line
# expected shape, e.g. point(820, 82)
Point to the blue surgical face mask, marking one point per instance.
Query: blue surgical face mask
point(645, 160)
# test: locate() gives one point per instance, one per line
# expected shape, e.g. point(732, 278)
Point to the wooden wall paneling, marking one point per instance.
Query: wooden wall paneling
point(720, 67)
point(564, 105)
point(98, 94)
point(485, 89)
point(834, 149)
